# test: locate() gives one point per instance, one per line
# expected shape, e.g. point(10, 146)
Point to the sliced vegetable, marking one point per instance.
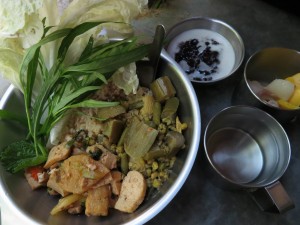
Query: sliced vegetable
point(139, 139)
point(123, 135)
point(124, 163)
point(162, 88)
point(156, 113)
point(175, 142)
point(113, 130)
point(169, 111)
point(110, 112)
point(147, 109)
point(65, 203)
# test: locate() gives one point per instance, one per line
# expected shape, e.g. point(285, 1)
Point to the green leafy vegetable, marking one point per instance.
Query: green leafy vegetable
point(19, 155)
point(63, 87)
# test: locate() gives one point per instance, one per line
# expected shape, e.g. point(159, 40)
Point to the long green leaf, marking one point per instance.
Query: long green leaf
point(32, 50)
point(111, 63)
point(87, 50)
point(78, 30)
point(90, 103)
point(67, 99)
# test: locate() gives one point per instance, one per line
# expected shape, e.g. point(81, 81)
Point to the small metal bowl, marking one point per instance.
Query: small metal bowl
point(213, 35)
point(33, 207)
point(264, 66)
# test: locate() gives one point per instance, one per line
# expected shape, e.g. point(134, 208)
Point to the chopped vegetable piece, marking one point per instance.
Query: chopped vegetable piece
point(147, 109)
point(139, 139)
point(121, 140)
point(113, 130)
point(156, 113)
point(162, 89)
point(110, 112)
point(175, 142)
point(65, 203)
point(124, 163)
point(170, 109)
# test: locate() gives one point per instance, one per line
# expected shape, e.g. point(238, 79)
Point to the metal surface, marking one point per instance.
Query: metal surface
point(34, 206)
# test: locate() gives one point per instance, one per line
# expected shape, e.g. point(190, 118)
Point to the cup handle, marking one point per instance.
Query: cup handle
point(273, 197)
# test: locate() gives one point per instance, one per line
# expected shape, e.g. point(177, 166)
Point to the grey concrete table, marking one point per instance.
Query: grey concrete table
point(261, 25)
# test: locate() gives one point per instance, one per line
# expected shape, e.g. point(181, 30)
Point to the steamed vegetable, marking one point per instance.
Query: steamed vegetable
point(136, 132)
point(65, 202)
point(162, 89)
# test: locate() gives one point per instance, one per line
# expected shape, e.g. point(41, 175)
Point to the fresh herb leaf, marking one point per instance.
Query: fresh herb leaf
point(20, 155)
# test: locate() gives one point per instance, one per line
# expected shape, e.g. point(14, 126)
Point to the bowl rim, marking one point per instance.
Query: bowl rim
point(159, 205)
point(218, 21)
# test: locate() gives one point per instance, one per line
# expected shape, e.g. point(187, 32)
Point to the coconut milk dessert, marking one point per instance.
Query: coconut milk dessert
point(204, 55)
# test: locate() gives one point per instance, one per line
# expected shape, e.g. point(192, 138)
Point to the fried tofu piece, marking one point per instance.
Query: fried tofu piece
point(133, 191)
point(53, 183)
point(97, 201)
point(116, 182)
point(107, 158)
point(79, 173)
point(56, 154)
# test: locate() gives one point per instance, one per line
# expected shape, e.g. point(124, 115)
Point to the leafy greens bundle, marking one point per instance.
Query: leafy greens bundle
point(63, 87)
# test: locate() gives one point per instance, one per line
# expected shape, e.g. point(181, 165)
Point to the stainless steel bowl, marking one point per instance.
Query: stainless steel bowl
point(34, 207)
point(214, 25)
point(264, 66)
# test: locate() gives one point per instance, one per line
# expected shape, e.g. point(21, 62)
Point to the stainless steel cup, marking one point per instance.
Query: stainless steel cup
point(248, 149)
point(264, 66)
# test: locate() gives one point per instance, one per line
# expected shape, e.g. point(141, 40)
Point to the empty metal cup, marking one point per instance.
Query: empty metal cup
point(248, 149)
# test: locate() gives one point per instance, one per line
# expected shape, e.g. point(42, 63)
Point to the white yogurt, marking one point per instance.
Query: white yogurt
point(224, 48)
